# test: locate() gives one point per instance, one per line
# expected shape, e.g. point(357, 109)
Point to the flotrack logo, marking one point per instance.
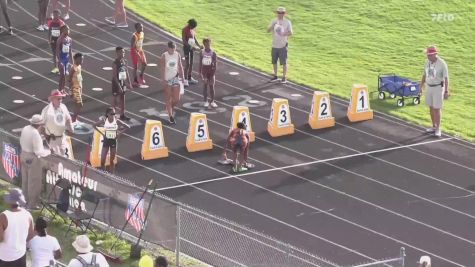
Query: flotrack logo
point(77, 182)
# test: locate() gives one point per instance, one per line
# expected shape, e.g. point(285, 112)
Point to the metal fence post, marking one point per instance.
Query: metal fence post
point(177, 246)
point(402, 254)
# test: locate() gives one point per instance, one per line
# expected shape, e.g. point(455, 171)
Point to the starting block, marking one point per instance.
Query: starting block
point(359, 109)
point(96, 150)
point(321, 112)
point(241, 114)
point(153, 146)
point(198, 135)
point(69, 148)
point(279, 122)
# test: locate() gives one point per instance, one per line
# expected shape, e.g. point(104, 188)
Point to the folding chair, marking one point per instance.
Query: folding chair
point(52, 202)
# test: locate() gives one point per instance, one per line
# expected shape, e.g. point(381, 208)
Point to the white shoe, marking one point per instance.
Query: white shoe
point(111, 20)
point(214, 105)
point(206, 104)
point(430, 130)
point(122, 25)
point(185, 83)
point(40, 28)
point(45, 26)
point(66, 17)
point(438, 133)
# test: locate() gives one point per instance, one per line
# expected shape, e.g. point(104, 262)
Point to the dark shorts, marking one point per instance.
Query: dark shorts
point(240, 148)
point(21, 262)
point(116, 90)
point(53, 46)
point(207, 73)
point(188, 54)
point(280, 54)
point(112, 143)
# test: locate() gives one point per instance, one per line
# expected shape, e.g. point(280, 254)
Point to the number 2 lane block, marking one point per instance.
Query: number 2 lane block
point(96, 150)
point(153, 145)
point(321, 112)
point(241, 114)
point(359, 109)
point(279, 122)
point(198, 135)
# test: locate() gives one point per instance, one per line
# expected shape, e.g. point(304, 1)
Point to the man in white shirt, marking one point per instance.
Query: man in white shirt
point(281, 29)
point(16, 228)
point(85, 255)
point(45, 249)
point(436, 77)
point(32, 150)
point(57, 120)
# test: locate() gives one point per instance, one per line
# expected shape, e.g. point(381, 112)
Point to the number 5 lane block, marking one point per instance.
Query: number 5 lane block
point(321, 112)
point(198, 135)
point(153, 146)
point(241, 114)
point(96, 150)
point(359, 109)
point(279, 122)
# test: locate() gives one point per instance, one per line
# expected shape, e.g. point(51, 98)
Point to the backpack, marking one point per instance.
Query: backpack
point(85, 264)
point(63, 200)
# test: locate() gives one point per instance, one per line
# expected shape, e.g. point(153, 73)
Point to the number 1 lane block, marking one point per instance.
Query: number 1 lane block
point(153, 146)
point(96, 150)
point(198, 135)
point(279, 122)
point(241, 114)
point(359, 109)
point(321, 112)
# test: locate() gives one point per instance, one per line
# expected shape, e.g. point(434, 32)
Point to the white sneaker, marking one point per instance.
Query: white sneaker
point(66, 17)
point(206, 104)
point(185, 83)
point(430, 130)
point(45, 26)
point(438, 132)
point(122, 25)
point(40, 28)
point(111, 20)
point(214, 105)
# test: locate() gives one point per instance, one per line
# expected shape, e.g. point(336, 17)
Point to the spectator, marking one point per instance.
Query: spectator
point(32, 150)
point(42, 8)
point(161, 261)
point(83, 247)
point(57, 120)
point(120, 17)
point(424, 261)
point(281, 29)
point(44, 248)
point(190, 43)
point(16, 228)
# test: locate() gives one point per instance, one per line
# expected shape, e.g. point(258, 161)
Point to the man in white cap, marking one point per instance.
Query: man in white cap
point(83, 247)
point(281, 29)
point(424, 261)
point(16, 229)
point(32, 150)
point(57, 120)
point(436, 77)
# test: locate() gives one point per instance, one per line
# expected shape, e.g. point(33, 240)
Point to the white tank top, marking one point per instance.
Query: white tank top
point(111, 128)
point(13, 246)
point(171, 65)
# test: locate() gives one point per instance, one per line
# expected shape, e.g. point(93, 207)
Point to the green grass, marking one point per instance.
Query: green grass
point(58, 227)
point(338, 43)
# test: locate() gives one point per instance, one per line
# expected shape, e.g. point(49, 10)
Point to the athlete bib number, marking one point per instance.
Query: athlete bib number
point(207, 61)
point(171, 64)
point(122, 75)
point(139, 44)
point(55, 33)
point(111, 134)
point(65, 48)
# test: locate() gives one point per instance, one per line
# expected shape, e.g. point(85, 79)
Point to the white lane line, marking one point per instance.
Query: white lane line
point(304, 164)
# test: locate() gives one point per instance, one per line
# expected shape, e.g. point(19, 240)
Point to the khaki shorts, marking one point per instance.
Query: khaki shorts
point(435, 96)
point(76, 93)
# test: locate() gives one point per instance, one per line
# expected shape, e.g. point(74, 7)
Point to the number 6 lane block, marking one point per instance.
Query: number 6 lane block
point(279, 122)
point(153, 146)
point(96, 149)
point(321, 112)
point(359, 109)
point(241, 114)
point(198, 135)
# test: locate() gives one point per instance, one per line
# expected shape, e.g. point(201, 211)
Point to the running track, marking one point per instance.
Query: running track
point(361, 190)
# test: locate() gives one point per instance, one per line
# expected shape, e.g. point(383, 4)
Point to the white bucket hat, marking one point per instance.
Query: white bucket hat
point(425, 259)
point(82, 244)
point(36, 119)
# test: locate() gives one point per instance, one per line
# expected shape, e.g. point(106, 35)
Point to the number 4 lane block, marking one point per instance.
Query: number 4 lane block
point(359, 109)
point(321, 112)
point(153, 145)
point(279, 122)
point(198, 135)
point(241, 114)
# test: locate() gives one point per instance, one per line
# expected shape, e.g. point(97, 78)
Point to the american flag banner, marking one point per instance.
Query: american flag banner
point(137, 219)
point(11, 160)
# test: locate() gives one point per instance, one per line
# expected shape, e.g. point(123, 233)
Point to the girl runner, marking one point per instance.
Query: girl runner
point(171, 68)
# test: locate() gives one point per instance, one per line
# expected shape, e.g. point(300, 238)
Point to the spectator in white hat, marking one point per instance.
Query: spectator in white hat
point(83, 247)
point(16, 228)
point(424, 261)
point(281, 29)
point(32, 150)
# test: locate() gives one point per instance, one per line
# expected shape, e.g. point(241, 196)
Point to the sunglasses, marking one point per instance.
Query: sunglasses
point(112, 114)
point(281, 13)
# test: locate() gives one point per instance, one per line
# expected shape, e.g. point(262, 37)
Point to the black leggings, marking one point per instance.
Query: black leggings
point(21, 262)
point(3, 5)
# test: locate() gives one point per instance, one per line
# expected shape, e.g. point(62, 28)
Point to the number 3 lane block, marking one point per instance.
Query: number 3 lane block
point(153, 145)
point(198, 135)
point(359, 109)
point(241, 114)
point(96, 150)
point(321, 112)
point(279, 122)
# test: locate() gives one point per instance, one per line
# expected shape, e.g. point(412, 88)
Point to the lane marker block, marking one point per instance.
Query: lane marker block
point(321, 112)
point(153, 145)
point(359, 109)
point(96, 150)
point(198, 138)
point(241, 114)
point(69, 147)
point(279, 122)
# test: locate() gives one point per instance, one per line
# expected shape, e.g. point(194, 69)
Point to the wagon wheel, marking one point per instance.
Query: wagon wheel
point(400, 102)
point(416, 100)
point(392, 95)
point(381, 95)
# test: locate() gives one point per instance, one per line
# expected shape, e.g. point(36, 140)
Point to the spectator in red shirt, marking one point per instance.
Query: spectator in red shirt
point(190, 43)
